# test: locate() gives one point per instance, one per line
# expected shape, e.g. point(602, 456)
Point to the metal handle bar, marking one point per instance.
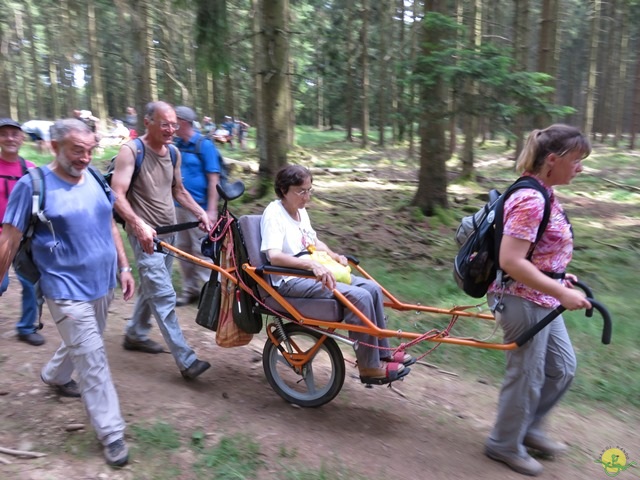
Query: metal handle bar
point(588, 293)
point(176, 228)
point(606, 330)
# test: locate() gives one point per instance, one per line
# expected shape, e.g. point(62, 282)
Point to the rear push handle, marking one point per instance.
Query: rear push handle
point(606, 330)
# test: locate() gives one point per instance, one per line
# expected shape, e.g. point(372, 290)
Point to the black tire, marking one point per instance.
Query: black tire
point(320, 380)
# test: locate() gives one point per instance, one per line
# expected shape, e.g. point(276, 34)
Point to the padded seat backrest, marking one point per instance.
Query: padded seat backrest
point(250, 227)
point(327, 309)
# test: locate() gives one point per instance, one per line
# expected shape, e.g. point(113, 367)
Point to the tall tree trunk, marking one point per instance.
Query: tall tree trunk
point(590, 99)
point(635, 111)
point(150, 51)
point(621, 73)
point(350, 74)
point(413, 55)
point(275, 56)
point(432, 179)
point(364, 40)
point(399, 111)
point(258, 78)
point(547, 60)
point(384, 7)
point(470, 120)
point(95, 61)
point(35, 64)
point(522, 33)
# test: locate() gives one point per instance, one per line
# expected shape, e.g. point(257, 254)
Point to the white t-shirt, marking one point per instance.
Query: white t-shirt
point(281, 232)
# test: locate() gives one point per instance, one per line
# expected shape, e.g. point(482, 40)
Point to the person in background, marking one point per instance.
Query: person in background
point(243, 129)
point(144, 203)
point(540, 372)
point(230, 126)
point(286, 232)
point(208, 127)
point(38, 131)
point(78, 259)
point(11, 169)
point(201, 174)
point(131, 122)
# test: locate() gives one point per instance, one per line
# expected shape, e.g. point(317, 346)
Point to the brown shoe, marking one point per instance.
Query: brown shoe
point(147, 346)
point(69, 389)
point(197, 367)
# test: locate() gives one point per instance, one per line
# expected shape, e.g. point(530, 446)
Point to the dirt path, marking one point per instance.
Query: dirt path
point(431, 427)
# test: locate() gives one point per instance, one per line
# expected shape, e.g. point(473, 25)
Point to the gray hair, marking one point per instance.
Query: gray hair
point(150, 109)
point(62, 128)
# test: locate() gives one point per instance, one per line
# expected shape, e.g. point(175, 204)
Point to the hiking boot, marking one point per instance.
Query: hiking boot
point(545, 445)
point(187, 300)
point(147, 346)
point(34, 338)
point(524, 465)
point(116, 453)
point(69, 389)
point(196, 368)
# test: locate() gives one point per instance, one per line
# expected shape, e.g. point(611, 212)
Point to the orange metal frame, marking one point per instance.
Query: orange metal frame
point(367, 325)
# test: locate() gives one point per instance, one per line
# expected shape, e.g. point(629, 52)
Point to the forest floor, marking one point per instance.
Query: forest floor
point(432, 425)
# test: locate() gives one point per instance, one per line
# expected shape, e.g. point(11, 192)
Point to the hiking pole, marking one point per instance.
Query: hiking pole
point(606, 331)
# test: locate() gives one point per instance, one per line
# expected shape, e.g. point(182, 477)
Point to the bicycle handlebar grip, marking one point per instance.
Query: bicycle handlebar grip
point(584, 287)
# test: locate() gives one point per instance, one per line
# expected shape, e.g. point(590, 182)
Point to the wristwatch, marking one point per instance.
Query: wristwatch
point(124, 269)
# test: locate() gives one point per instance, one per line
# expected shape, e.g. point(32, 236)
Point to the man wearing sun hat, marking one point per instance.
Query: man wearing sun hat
point(12, 167)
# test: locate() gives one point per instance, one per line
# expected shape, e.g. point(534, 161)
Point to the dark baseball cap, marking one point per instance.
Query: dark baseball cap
point(7, 122)
point(185, 113)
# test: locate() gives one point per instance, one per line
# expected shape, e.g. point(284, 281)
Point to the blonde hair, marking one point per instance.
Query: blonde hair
point(558, 138)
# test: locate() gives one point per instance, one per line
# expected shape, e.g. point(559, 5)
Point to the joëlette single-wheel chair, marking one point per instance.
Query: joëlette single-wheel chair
point(301, 357)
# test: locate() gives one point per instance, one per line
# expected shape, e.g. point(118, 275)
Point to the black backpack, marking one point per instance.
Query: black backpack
point(136, 169)
point(476, 266)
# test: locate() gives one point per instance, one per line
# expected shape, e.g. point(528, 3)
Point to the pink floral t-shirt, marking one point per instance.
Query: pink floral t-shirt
point(523, 212)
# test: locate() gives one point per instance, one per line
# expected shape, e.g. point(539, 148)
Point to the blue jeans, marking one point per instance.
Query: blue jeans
point(31, 305)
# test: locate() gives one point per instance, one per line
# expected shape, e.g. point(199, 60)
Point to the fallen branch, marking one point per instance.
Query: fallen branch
point(21, 453)
point(5, 461)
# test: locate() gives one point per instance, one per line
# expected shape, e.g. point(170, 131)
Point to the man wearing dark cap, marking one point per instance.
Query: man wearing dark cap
point(200, 174)
point(12, 167)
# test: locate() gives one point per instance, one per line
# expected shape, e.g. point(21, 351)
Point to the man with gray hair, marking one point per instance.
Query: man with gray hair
point(145, 200)
point(78, 255)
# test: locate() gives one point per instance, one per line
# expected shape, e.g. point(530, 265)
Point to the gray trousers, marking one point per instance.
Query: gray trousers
point(156, 296)
point(81, 325)
point(366, 296)
point(193, 276)
point(537, 374)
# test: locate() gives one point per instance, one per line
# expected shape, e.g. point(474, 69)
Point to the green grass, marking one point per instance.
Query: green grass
point(233, 458)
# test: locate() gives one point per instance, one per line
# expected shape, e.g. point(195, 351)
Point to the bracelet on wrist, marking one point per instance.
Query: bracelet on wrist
point(124, 269)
